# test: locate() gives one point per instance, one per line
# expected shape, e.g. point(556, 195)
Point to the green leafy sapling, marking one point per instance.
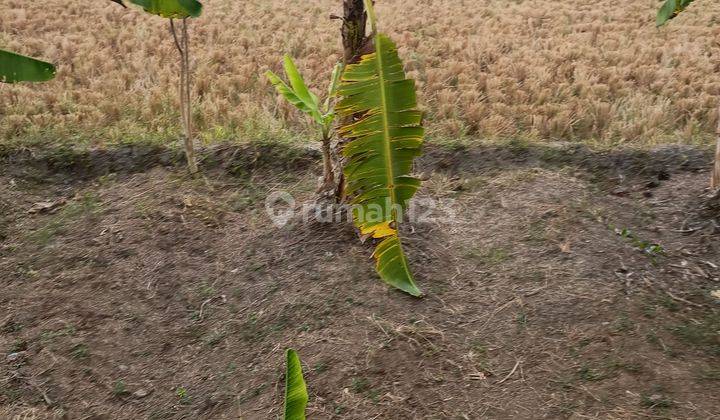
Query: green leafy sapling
point(183, 10)
point(322, 114)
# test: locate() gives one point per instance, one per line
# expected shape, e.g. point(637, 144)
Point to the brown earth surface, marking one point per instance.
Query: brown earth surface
point(560, 283)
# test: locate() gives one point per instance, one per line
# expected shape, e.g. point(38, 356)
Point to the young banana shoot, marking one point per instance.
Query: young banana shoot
point(296, 396)
point(298, 94)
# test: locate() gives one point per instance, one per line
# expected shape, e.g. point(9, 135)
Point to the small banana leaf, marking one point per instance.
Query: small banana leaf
point(297, 93)
point(382, 121)
point(175, 9)
point(19, 68)
point(670, 9)
point(329, 113)
point(296, 396)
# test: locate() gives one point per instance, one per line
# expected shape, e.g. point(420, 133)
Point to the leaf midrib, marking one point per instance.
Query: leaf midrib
point(386, 126)
point(388, 148)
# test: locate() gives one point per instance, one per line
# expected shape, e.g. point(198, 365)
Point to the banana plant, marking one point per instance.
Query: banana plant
point(298, 94)
point(669, 10)
point(16, 68)
point(378, 107)
point(296, 396)
point(179, 9)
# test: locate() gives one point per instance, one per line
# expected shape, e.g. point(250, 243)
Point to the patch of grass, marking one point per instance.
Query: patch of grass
point(183, 396)
point(87, 205)
point(229, 370)
point(214, 338)
point(701, 334)
point(18, 345)
point(668, 303)
point(320, 367)
point(80, 351)
point(612, 365)
point(250, 194)
point(587, 373)
point(518, 145)
point(11, 327)
point(649, 310)
point(479, 347)
point(622, 324)
point(521, 320)
point(374, 395)
point(47, 336)
point(607, 368)
point(206, 291)
point(536, 231)
point(653, 338)
point(359, 385)
point(491, 256)
point(119, 388)
point(9, 393)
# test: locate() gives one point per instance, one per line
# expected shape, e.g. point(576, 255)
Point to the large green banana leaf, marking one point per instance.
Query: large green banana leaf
point(384, 125)
point(296, 396)
point(670, 9)
point(171, 8)
point(18, 68)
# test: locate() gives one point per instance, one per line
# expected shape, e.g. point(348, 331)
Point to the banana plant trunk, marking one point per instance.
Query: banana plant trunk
point(355, 41)
point(328, 171)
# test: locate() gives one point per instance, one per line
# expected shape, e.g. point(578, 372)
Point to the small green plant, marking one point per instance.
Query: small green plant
point(359, 385)
point(80, 351)
point(587, 373)
point(651, 249)
point(296, 396)
point(66, 331)
point(18, 345)
point(298, 94)
point(182, 394)
point(119, 388)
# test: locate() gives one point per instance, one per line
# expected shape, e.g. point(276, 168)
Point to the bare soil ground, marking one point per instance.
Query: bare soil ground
point(131, 291)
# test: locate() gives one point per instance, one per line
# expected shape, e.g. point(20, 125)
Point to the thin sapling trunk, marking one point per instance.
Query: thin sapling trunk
point(183, 47)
